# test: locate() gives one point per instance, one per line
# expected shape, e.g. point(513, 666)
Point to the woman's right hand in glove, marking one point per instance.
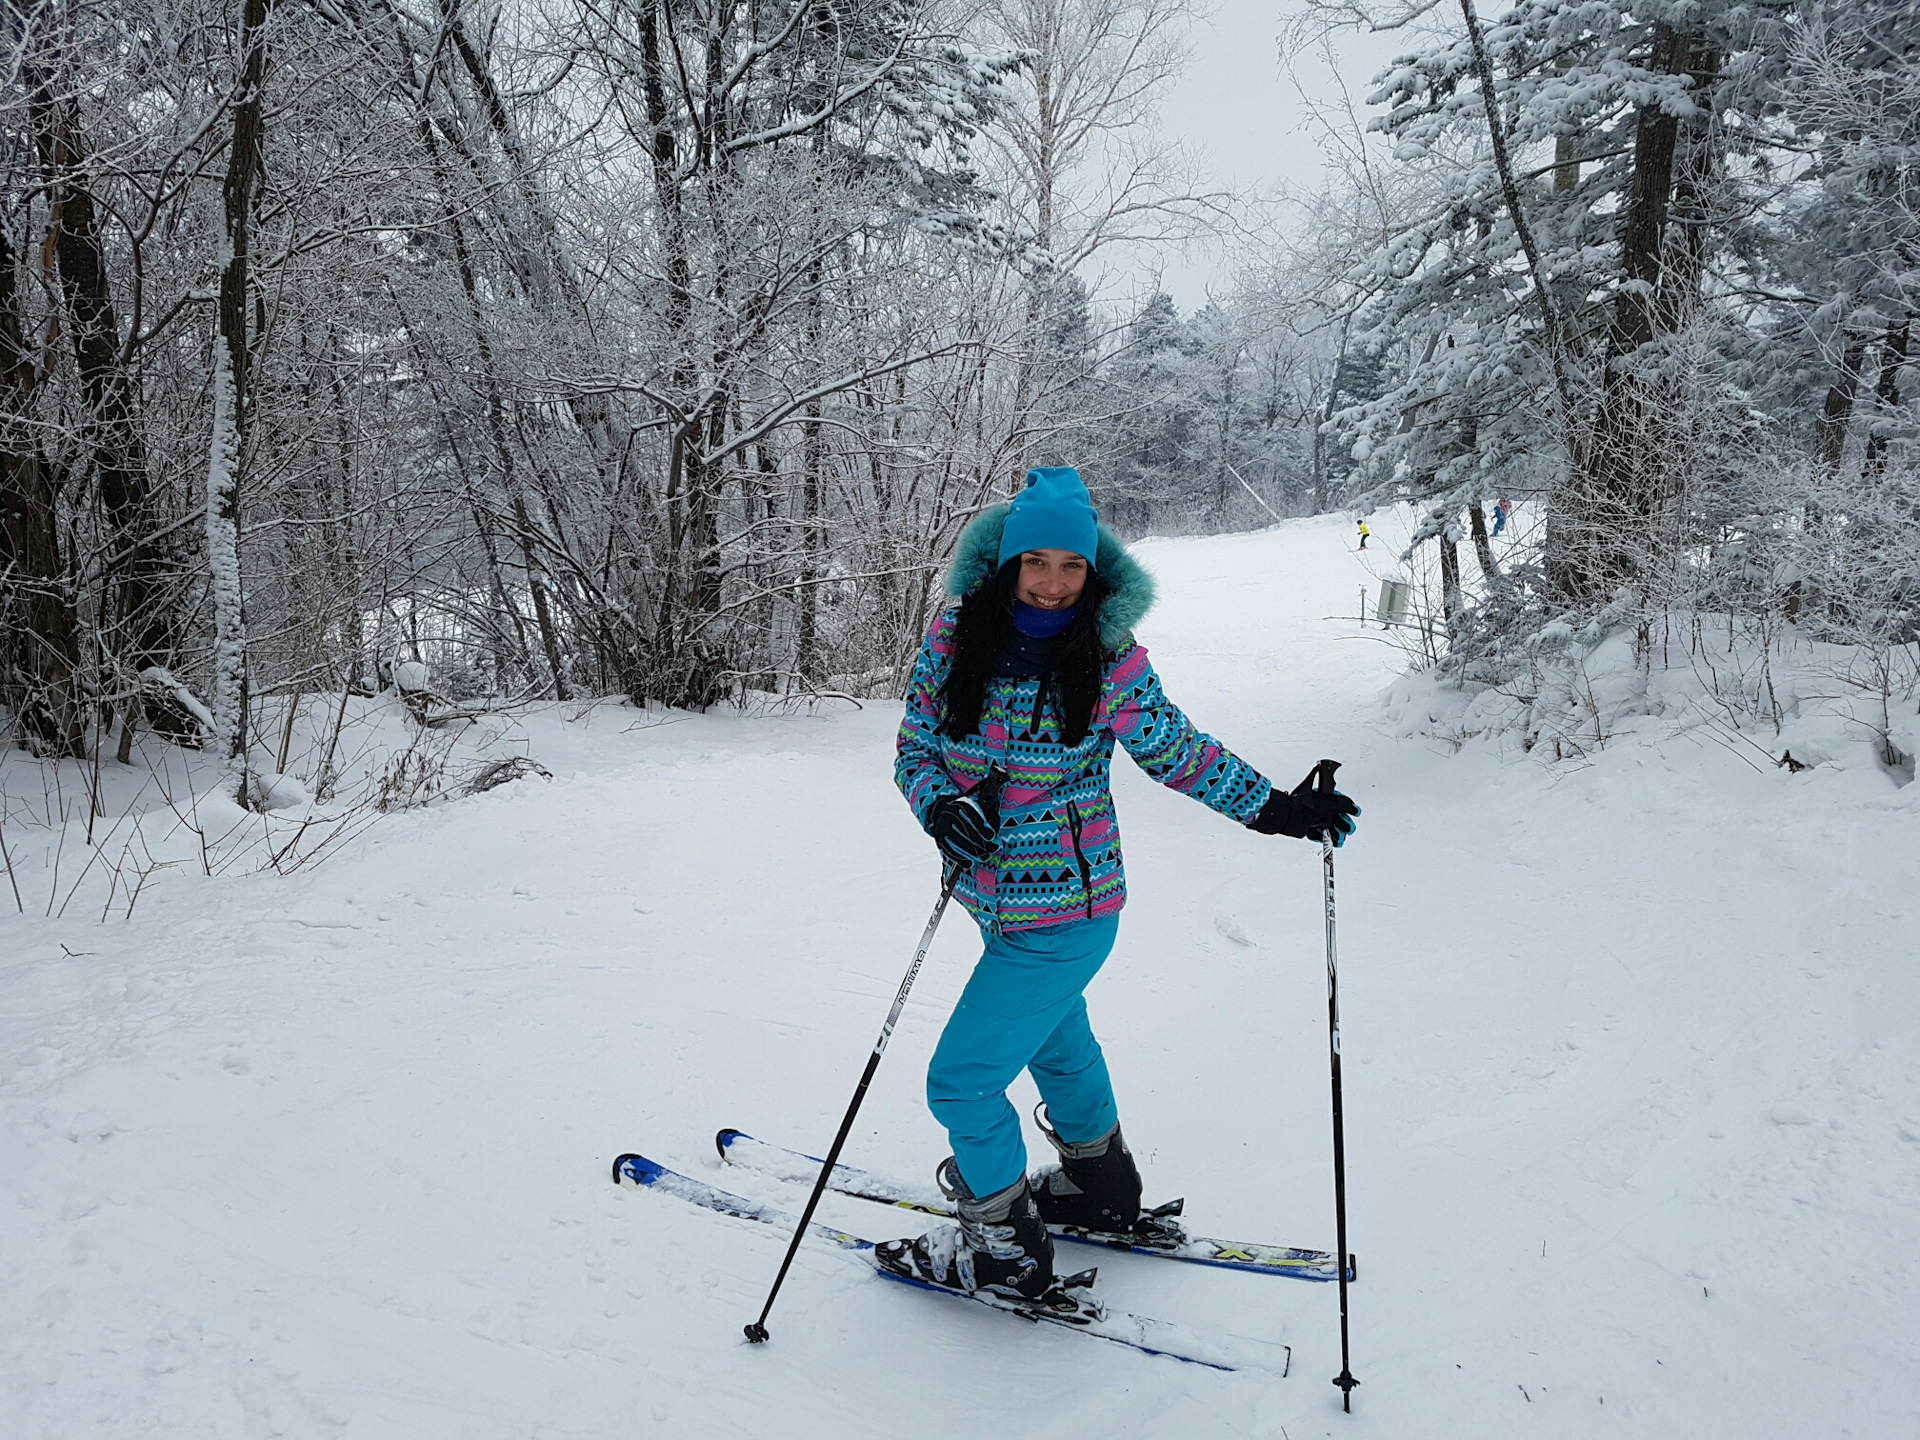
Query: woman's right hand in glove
point(960, 829)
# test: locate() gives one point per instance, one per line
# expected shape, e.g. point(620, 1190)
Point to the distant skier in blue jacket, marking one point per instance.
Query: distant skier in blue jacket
point(1031, 678)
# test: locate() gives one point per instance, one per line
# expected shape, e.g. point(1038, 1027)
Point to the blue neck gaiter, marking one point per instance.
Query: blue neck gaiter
point(1041, 624)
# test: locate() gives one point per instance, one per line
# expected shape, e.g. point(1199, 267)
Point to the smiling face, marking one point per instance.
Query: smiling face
point(1051, 579)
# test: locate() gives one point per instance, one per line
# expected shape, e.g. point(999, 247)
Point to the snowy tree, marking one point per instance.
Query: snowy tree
point(1848, 242)
point(1079, 154)
point(1568, 277)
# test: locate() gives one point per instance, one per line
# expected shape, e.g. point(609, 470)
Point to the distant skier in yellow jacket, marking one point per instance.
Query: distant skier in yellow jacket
point(1364, 532)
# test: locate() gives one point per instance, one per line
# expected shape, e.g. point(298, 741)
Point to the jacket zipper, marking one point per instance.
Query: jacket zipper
point(1086, 871)
point(1006, 714)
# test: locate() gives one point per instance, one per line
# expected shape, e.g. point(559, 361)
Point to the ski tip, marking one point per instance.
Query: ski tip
point(756, 1332)
point(726, 1138)
point(636, 1170)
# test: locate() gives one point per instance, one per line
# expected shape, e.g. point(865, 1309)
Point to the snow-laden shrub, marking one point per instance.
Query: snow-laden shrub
point(1766, 692)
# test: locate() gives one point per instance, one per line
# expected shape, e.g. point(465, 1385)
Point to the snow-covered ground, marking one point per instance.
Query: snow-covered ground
point(1633, 1089)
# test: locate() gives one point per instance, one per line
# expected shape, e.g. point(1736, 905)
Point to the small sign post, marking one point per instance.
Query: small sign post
point(1394, 595)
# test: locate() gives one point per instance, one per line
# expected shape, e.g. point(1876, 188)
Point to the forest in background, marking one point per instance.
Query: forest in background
point(661, 348)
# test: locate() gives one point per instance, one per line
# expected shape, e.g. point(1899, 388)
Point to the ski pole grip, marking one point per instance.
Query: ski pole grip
point(1319, 779)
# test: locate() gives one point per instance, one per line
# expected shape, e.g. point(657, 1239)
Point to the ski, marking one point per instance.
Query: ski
point(1158, 1233)
point(1071, 1307)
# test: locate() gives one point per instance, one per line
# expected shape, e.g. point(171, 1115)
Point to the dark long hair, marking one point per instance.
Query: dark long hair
point(981, 637)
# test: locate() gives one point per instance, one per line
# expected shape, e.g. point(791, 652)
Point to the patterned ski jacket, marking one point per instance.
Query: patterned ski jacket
point(1058, 856)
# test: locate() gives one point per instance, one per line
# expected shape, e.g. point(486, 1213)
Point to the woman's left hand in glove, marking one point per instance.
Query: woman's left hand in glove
point(1307, 814)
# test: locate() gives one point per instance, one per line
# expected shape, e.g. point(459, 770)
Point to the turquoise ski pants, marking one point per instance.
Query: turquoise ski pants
point(1023, 1010)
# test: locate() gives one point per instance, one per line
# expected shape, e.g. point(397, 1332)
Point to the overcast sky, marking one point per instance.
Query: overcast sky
point(1237, 104)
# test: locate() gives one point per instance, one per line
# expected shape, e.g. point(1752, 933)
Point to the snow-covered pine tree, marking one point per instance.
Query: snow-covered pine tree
point(1845, 549)
point(1848, 243)
point(1540, 316)
point(1155, 460)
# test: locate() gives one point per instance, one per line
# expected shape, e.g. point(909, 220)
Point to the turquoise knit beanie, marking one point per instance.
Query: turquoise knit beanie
point(1054, 512)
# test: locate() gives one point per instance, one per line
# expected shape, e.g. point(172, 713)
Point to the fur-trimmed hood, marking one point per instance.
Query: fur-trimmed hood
point(977, 556)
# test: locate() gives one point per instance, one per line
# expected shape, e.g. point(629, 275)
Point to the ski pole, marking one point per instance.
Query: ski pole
point(1323, 778)
point(987, 794)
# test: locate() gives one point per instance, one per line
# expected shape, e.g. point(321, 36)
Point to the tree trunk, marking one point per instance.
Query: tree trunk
point(1893, 356)
point(706, 477)
point(813, 461)
point(537, 577)
point(1655, 137)
point(1622, 499)
point(1696, 165)
point(139, 632)
point(1830, 435)
point(342, 553)
point(1566, 169)
point(813, 452)
point(230, 358)
point(1482, 545)
point(767, 466)
point(1321, 480)
point(40, 656)
point(657, 60)
point(709, 648)
point(1224, 437)
point(1452, 601)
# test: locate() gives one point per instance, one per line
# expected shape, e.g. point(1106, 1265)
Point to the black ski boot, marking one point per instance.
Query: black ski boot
point(1000, 1245)
point(1094, 1187)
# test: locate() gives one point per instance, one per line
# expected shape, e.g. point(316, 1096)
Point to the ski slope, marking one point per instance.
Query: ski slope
point(1633, 1097)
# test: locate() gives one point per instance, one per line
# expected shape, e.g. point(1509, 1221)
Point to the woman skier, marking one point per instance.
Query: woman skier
point(1021, 689)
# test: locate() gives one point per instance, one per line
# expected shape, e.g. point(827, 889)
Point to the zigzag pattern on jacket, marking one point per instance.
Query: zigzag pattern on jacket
point(1058, 856)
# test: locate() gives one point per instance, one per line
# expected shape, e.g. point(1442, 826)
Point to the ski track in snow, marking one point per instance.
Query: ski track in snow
point(1632, 1093)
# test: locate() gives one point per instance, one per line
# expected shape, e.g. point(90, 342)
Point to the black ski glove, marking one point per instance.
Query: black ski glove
point(1307, 813)
point(960, 829)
